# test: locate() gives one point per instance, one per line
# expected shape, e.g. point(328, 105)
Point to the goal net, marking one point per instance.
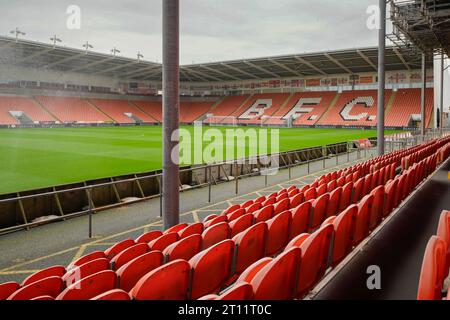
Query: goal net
point(268, 121)
point(213, 120)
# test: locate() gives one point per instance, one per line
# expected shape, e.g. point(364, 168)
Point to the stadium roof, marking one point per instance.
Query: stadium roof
point(421, 23)
point(32, 54)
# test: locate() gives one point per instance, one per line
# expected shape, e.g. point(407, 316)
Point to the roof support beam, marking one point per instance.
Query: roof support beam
point(220, 72)
point(286, 68)
point(339, 64)
point(94, 63)
point(34, 55)
point(66, 59)
point(147, 74)
point(262, 69)
point(141, 71)
point(400, 56)
point(240, 71)
point(366, 58)
point(309, 64)
point(201, 75)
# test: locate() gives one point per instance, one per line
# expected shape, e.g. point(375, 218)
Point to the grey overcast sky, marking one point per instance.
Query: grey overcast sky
point(211, 30)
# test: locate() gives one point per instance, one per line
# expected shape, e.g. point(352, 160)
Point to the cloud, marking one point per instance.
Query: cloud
point(211, 30)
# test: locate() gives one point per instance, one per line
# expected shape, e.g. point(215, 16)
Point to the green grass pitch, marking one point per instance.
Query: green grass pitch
point(37, 158)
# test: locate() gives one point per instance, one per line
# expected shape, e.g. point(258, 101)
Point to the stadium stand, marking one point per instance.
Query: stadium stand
point(228, 106)
point(328, 108)
point(407, 103)
point(191, 111)
point(266, 263)
point(118, 110)
point(30, 109)
point(152, 108)
point(355, 108)
point(69, 110)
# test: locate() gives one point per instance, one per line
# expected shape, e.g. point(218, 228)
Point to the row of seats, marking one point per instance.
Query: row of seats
point(191, 261)
point(315, 108)
point(436, 260)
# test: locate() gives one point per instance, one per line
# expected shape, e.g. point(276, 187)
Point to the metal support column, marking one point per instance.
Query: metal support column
point(381, 77)
point(441, 103)
point(171, 105)
point(423, 94)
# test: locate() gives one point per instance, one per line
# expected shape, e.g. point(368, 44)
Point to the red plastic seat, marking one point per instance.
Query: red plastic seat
point(443, 232)
point(184, 249)
point(376, 214)
point(343, 233)
point(90, 287)
point(195, 228)
point(177, 228)
point(346, 196)
point(293, 192)
point(375, 180)
point(215, 221)
point(238, 292)
point(268, 202)
point(253, 208)
point(260, 199)
point(433, 270)
point(278, 233)
point(319, 211)
point(310, 194)
point(43, 298)
point(362, 224)
point(51, 286)
point(250, 246)
point(55, 271)
point(358, 190)
point(211, 268)
point(251, 271)
point(85, 270)
point(321, 190)
point(333, 202)
point(340, 182)
point(130, 273)
point(300, 219)
point(390, 191)
point(296, 200)
point(276, 281)
point(264, 214)
point(86, 258)
point(118, 248)
point(231, 209)
point(247, 204)
point(163, 242)
point(314, 258)
point(149, 236)
point(331, 186)
point(241, 224)
point(113, 295)
point(400, 190)
point(367, 185)
point(282, 196)
point(281, 206)
point(215, 234)
point(129, 254)
point(7, 289)
point(167, 282)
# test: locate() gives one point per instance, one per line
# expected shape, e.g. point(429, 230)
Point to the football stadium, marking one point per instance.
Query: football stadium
point(321, 175)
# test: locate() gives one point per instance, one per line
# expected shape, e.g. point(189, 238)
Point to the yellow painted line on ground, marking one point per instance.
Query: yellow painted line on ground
point(195, 217)
point(79, 253)
point(18, 272)
point(156, 223)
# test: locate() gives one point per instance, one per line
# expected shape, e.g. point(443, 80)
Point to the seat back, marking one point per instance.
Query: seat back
point(159, 244)
point(433, 270)
point(314, 258)
point(278, 232)
point(215, 234)
point(310, 194)
point(114, 250)
point(281, 206)
point(211, 268)
point(184, 249)
point(86, 258)
point(264, 214)
point(333, 202)
point(113, 295)
point(130, 273)
point(55, 271)
point(358, 190)
point(90, 287)
point(250, 246)
point(240, 291)
point(167, 282)
point(195, 228)
point(376, 213)
point(390, 192)
point(344, 225)
point(129, 254)
point(362, 224)
point(300, 219)
point(296, 200)
point(7, 289)
point(443, 232)
point(149, 236)
point(241, 224)
point(319, 211)
point(346, 196)
point(50, 286)
point(85, 270)
point(277, 280)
